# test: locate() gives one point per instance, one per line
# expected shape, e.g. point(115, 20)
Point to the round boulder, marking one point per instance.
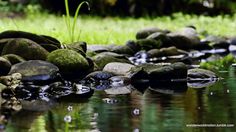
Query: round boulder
point(118, 68)
point(36, 71)
point(70, 63)
point(13, 58)
point(104, 58)
point(25, 48)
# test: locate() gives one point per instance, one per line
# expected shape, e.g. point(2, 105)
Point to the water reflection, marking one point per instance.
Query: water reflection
point(160, 107)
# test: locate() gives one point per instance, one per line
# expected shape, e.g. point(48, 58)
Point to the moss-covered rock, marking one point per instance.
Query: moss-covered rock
point(147, 44)
point(104, 58)
point(13, 58)
point(5, 66)
point(125, 50)
point(2, 87)
point(69, 62)
point(170, 51)
point(168, 73)
point(80, 47)
point(144, 33)
point(25, 48)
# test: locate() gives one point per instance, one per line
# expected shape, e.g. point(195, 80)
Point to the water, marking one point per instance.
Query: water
point(202, 109)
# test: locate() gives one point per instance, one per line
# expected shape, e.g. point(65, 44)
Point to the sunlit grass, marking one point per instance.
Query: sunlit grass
point(109, 30)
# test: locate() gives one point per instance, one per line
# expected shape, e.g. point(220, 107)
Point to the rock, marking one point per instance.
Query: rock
point(191, 33)
point(98, 80)
point(170, 51)
point(5, 66)
point(201, 74)
point(138, 77)
point(13, 59)
point(144, 33)
point(180, 41)
point(11, 81)
point(21, 34)
point(118, 68)
point(159, 36)
point(200, 78)
point(70, 63)
point(80, 47)
point(36, 71)
point(49, 47)
point(104, 58)
point(147, 44)
point(132, 45)
point(2, 87)
point(51, 40)
point(98, 48)
point(174, 72)
point(3, 42)
point(25, 48)
point(125, 50)
point(216, 42)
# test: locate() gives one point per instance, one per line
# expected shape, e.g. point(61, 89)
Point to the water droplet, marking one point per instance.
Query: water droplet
point(136, 111)
point(136, 130)
point(227, 91)
point(69, 108)
point(67, 118)
point(110, 100)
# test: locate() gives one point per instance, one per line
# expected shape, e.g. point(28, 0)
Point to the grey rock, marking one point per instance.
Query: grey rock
point(118, 68)
point(36, 70)
point(104, 58)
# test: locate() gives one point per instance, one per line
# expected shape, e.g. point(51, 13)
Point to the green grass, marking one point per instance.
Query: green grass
point(110, 30)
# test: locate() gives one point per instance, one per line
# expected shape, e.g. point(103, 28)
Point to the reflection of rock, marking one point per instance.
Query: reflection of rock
point(169, 88)
point(23, 120)
point(98, 80)
point(199, 78)
point(119, 90)
point(37, 105)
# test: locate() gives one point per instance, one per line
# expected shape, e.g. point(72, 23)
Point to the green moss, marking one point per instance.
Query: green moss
point(221, 64)
point(68, 60)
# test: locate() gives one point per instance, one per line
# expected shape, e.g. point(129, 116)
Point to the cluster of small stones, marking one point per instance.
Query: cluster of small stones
point(42, 64)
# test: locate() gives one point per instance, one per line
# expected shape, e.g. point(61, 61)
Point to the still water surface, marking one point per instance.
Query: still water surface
point(211, 108)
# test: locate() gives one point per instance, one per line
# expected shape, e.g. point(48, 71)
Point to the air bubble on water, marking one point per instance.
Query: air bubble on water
point(110, 100)
point(67, 118)
point(69, 108)
point(136, 111)
point(211, 93)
